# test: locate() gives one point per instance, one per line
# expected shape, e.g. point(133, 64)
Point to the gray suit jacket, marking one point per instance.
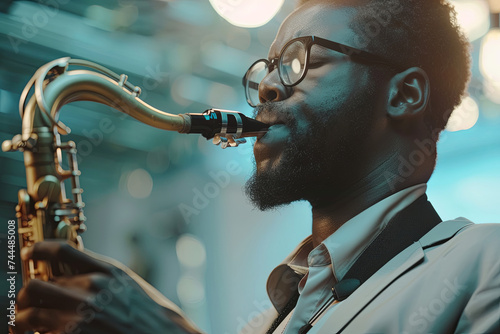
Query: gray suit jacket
point(448, 282)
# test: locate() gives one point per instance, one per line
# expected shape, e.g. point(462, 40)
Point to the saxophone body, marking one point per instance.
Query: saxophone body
point(45, 210)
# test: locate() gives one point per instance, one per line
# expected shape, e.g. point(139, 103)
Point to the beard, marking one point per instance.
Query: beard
point(311, 167)
point(286, 183)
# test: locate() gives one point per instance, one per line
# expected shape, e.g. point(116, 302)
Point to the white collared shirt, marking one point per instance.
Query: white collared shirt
point(315, 271)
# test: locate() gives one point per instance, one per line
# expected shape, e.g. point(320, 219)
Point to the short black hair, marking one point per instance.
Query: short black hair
point(422, 33)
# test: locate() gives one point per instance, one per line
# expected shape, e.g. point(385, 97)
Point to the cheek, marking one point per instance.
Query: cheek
point(338, 112)
point(324, 96)
point(332, 84)
point(338, 83)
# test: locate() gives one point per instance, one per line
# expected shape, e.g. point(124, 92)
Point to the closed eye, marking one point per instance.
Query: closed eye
point(316, 64)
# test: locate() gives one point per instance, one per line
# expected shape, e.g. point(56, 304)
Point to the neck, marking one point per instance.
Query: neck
point(330, 215)
point(334, 208)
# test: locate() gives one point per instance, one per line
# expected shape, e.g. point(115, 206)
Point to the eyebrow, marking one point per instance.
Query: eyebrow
point(296, 34)
point(274, 54)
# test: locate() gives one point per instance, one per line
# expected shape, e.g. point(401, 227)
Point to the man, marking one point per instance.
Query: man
point(349, 88)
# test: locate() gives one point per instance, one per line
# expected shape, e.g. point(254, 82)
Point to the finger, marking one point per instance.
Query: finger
point(88, 283)
point(45, 320)
point(65, 252)
point(49, 295)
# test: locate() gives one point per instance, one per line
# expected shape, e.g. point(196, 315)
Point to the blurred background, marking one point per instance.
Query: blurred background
point(171, 206)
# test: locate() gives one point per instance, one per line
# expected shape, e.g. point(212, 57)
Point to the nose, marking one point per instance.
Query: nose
point(271, 89)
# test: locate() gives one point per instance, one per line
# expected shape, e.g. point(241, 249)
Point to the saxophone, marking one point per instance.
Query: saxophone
point(44, 210)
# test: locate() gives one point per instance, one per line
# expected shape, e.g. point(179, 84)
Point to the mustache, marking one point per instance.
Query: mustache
point(274, 112)
point(267, 107)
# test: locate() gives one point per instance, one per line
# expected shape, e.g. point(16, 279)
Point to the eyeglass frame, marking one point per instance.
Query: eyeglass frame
point(309, 42)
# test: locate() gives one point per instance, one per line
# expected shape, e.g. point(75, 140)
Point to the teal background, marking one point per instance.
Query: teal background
point(187, 59)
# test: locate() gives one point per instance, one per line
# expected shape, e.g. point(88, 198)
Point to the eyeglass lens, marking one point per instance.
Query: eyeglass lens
point(255, 75)
point(292, 65)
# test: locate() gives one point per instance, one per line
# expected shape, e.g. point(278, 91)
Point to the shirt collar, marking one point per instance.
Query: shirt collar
point(341, 249)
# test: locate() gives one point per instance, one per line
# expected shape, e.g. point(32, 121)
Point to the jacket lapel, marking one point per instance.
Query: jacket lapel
point(342, 315)
point(444, 231)
point(335, 320)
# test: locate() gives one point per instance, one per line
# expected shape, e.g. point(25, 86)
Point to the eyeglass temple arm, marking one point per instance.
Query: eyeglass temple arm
point(350, 51)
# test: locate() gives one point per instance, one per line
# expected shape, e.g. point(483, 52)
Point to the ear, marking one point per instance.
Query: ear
point(409, 93)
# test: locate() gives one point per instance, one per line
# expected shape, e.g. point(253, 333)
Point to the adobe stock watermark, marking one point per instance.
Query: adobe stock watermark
point(255, 319)
point(408, 165)
point(202, 197)
point(261, 316)
point(30, 29)
point(87, 311)
point(380, 19)
point(424, 316)
point(425, 148)
point(95, 137)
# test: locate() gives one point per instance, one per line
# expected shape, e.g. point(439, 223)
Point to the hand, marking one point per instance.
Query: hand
point(97, 298)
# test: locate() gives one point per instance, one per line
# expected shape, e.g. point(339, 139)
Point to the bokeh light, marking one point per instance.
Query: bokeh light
point(492, 90)
point(247, 13)
point(139, 183)
point(473, 16)
point(464, 116)
point(190, 290)
point(489, 62)
point(190, 251)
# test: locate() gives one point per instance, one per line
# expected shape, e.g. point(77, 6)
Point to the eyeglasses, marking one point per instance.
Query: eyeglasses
point(293, 61)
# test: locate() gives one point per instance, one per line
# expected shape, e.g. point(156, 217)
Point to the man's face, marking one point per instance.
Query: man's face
point(326, 126)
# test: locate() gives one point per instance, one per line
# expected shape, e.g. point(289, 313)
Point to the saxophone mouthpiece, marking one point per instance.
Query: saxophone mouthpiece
point(226, 127)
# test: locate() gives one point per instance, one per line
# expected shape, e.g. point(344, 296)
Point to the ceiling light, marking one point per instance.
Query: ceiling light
point(490, 52)
point(247, 13)
point(464, 116)
point(473, 16)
